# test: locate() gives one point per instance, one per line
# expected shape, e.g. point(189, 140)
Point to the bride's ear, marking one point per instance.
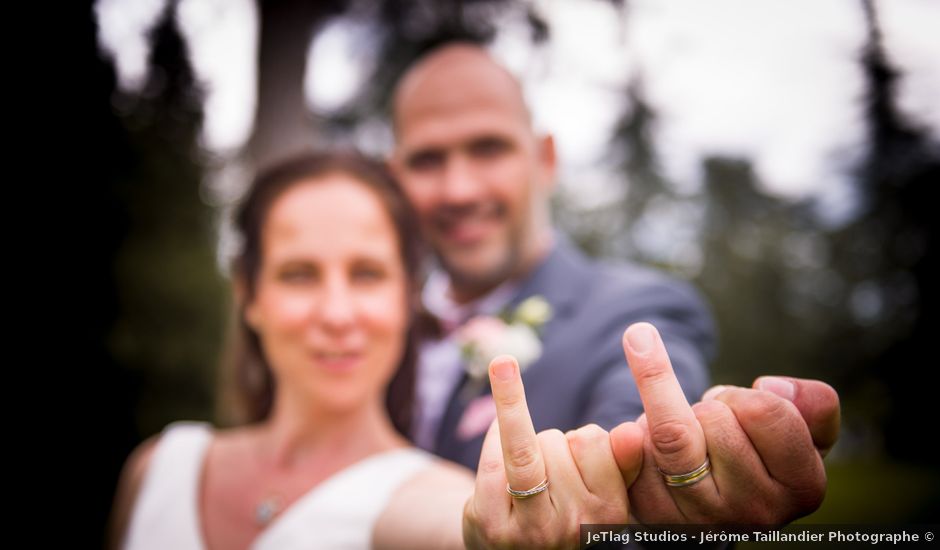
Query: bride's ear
point(246, 308)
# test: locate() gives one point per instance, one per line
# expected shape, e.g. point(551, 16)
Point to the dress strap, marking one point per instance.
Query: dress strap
point(166, 511)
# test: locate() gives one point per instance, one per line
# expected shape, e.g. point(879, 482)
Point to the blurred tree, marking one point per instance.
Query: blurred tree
point(170, 293)
point(282, 121)
point(403, 31)
point(852, 305)
point(890, 256)
point(155, 300)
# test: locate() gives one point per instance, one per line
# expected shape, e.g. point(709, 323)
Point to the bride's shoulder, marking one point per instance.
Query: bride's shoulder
point(129, 482)
point(135, 470)
point(426, 508)
point(440, 470)
point(138, 462)
point(435, 472)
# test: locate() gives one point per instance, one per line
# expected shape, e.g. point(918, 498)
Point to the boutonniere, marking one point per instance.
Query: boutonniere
point(516, 332)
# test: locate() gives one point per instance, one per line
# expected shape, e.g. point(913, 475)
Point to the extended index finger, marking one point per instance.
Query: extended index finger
point(522, 454)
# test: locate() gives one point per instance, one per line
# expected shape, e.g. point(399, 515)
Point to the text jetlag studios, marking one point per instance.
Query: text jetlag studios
point(594, 536)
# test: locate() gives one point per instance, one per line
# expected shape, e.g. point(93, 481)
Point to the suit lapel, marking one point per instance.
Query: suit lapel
point(557, 280)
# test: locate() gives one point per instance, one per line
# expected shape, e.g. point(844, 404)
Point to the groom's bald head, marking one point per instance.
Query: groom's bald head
point(436, 81)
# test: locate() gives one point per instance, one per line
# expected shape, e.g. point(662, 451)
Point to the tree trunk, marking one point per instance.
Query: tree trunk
point(282, 121)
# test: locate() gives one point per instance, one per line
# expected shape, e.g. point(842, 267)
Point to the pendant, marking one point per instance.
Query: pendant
point(266, 510)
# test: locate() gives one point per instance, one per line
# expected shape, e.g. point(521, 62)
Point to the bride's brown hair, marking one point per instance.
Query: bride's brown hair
point(247, 381)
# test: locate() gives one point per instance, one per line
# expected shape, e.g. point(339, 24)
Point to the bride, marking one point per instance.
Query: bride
point(325, 285)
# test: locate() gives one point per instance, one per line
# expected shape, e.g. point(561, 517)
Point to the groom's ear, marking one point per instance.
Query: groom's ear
point(548, 161)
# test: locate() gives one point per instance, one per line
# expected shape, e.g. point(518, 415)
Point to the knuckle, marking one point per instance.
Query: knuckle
point(732, 444)
point(670, 436)
point(593, 433)
point(576, 443)
point(607, 510)
point(552, 438)
point(720, 427)
point(524, 460)
point(808, 498)
point(490, 466)
point(710, 410)
point(496, 537)
point(765, 407)
point(586, 437)
point(647, 372)
point(511, 401)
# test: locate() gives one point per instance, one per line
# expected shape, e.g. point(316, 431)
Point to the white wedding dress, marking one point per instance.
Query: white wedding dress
point(338, 513)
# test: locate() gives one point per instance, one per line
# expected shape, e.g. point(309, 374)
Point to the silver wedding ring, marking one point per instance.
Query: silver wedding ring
point(528, 493)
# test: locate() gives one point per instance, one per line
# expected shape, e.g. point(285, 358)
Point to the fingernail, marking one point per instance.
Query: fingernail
point(780, 386)
point(640, 338)
point(713, 392)
point(503, 368)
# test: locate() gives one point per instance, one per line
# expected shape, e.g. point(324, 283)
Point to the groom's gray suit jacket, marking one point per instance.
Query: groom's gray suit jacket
point(582, 375)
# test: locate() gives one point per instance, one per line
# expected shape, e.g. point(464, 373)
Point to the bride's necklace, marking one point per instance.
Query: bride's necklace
point(272, 500)
point(269, 507)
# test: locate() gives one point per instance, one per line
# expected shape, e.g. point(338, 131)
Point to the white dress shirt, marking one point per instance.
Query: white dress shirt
point(440, 366)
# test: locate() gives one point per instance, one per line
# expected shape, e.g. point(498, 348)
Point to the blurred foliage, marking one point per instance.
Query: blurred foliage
point(168, 328)
point(403, 30)
point(852, 305)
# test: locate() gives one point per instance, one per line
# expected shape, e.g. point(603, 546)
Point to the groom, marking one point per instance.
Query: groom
point(480, 180)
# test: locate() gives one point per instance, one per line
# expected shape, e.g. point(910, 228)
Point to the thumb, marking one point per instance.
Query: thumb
point(626, 441)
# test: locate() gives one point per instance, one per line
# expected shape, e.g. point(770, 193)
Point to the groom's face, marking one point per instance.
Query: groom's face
point(472, 167)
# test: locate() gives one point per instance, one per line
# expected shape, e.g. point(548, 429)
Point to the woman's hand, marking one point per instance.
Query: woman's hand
point(585, 484)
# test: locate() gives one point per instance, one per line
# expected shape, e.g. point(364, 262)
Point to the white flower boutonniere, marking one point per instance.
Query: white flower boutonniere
point(514, 333)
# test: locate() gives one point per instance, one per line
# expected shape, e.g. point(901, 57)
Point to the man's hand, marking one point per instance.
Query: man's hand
point(585, 483)
point(765, 445)
point(817, 402)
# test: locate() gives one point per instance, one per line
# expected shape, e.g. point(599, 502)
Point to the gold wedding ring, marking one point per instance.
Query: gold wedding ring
point(529, 493)
point(684, 480)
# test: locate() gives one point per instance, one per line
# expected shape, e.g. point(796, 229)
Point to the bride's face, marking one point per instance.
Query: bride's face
point(330, 304)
